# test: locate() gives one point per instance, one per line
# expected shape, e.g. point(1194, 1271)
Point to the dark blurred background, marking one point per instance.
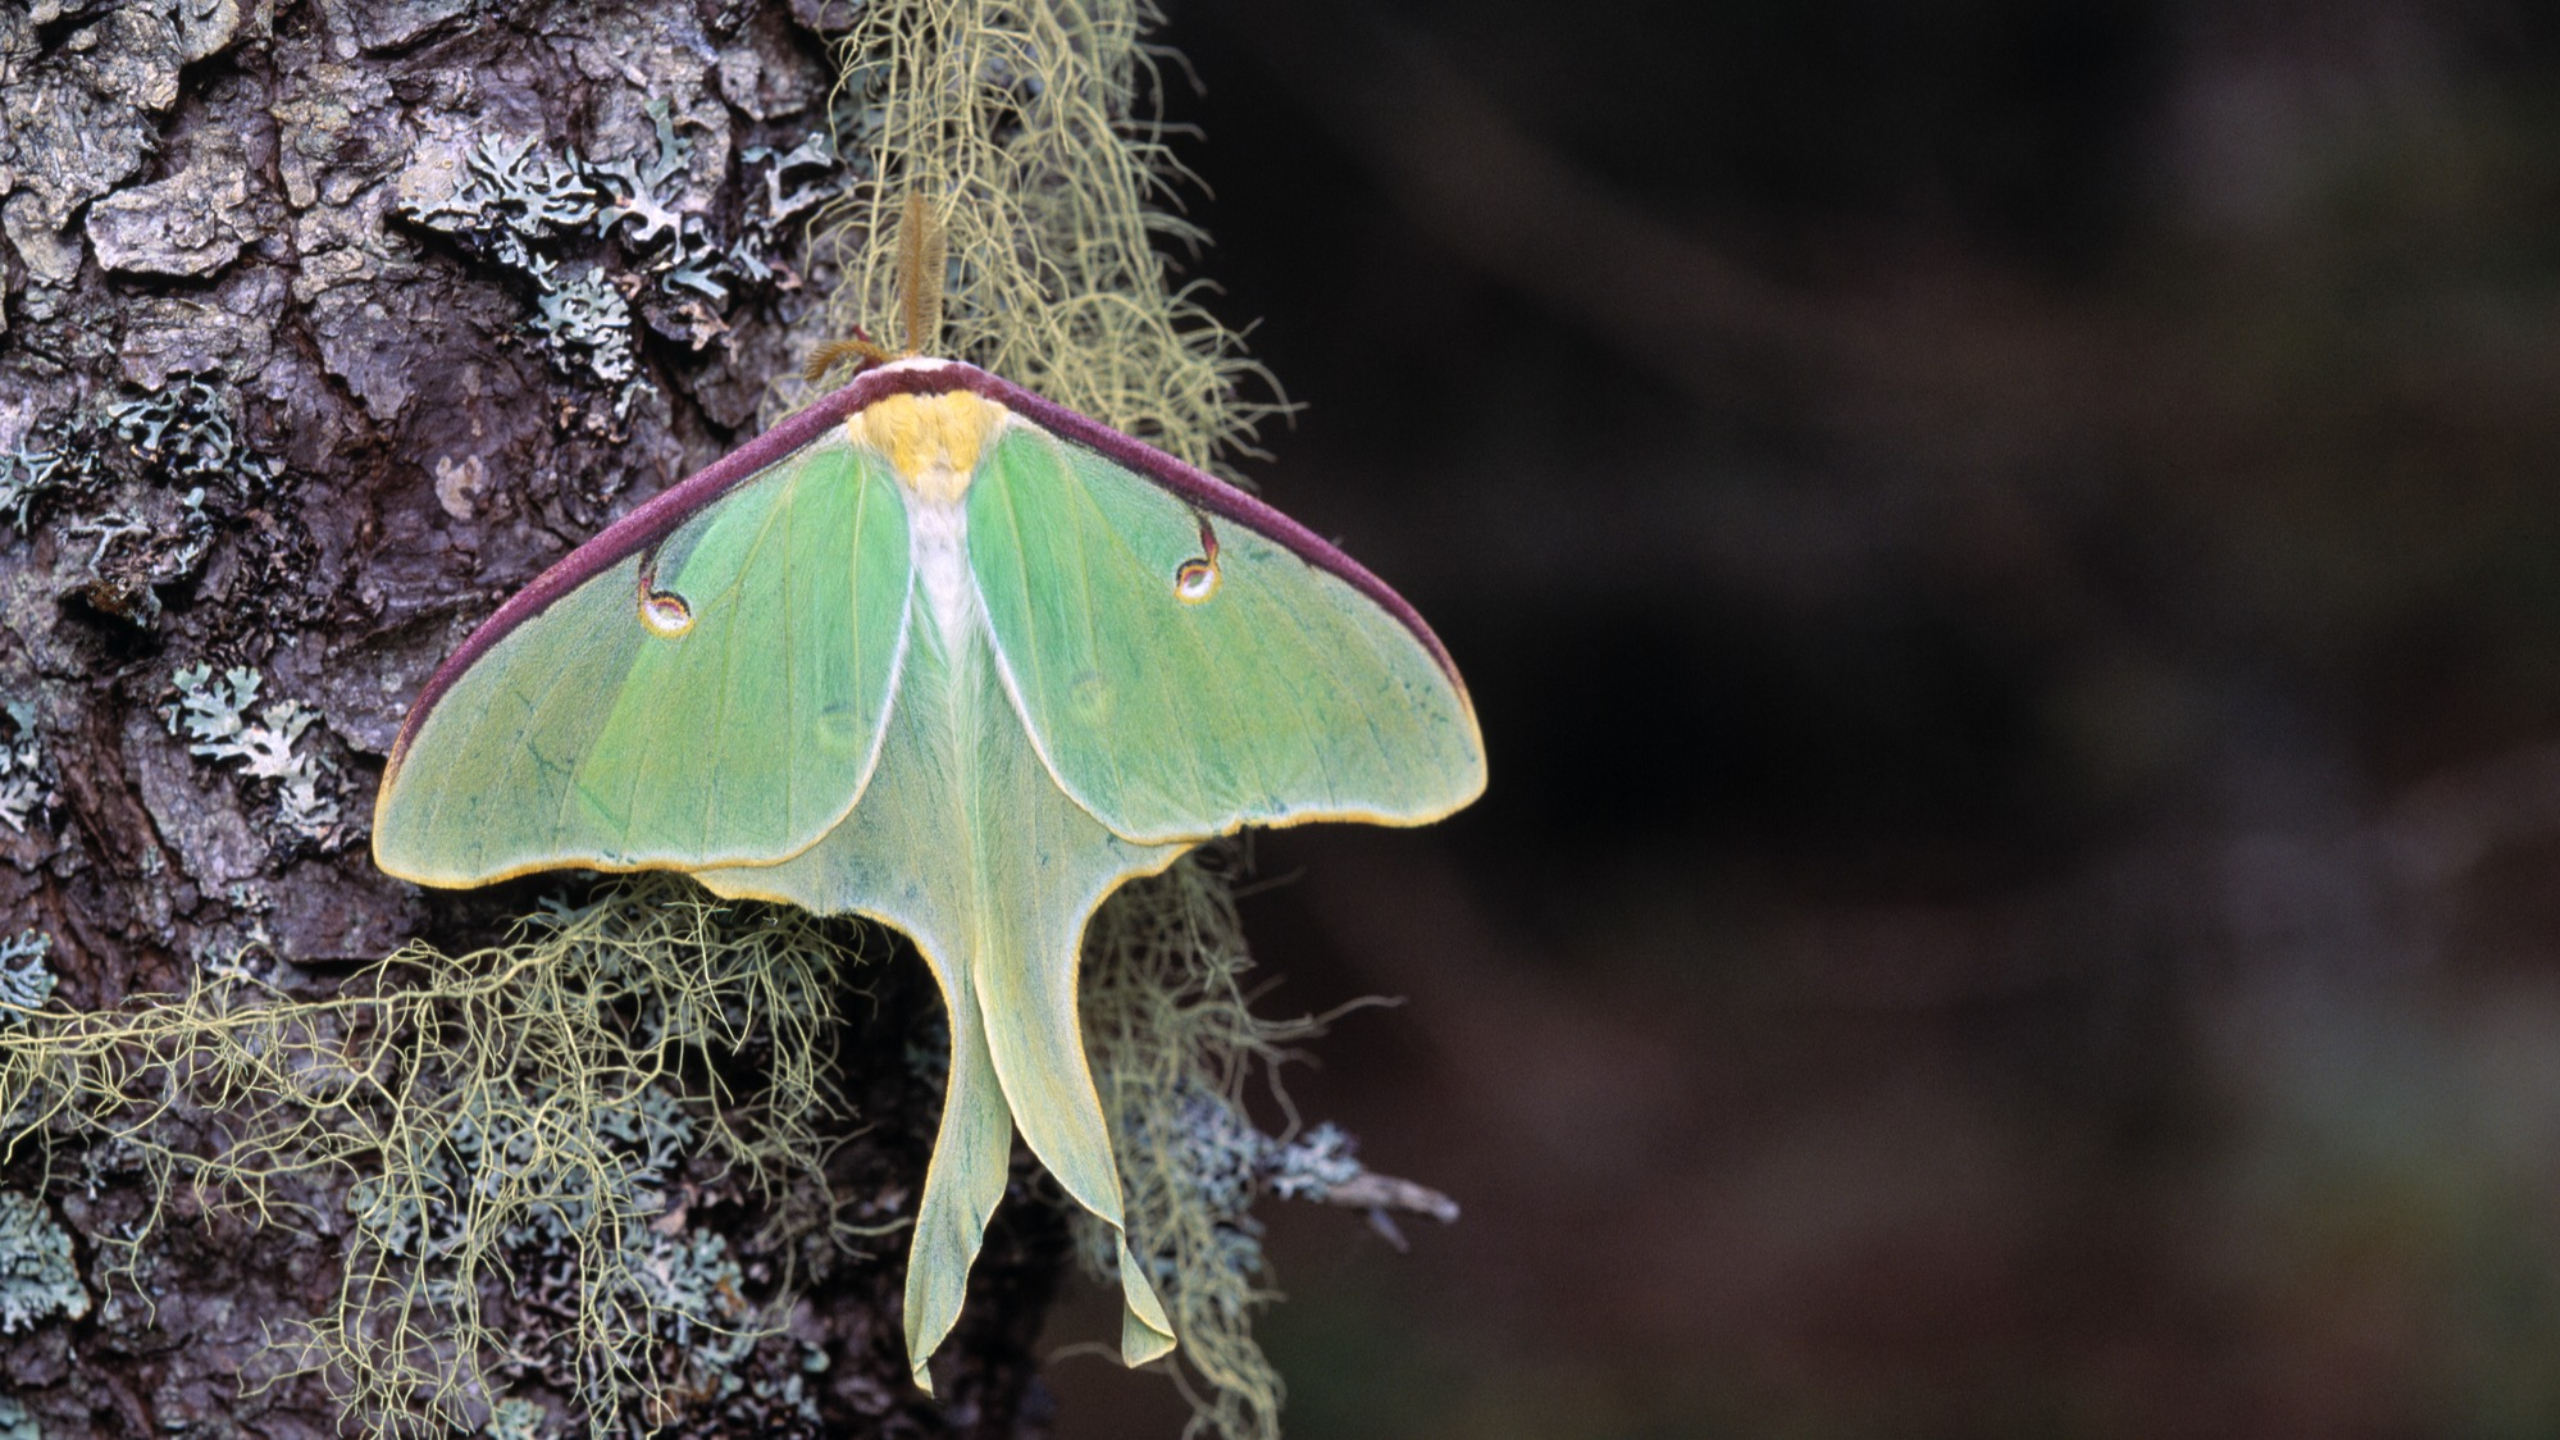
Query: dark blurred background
point(2009, 557)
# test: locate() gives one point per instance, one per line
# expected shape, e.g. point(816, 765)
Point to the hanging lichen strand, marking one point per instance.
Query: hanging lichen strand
point(1032, 130)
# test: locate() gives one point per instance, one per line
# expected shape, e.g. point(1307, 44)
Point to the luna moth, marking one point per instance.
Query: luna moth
point(939, 652)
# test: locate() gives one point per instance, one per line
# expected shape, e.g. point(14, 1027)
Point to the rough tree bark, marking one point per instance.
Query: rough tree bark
point(329, 323)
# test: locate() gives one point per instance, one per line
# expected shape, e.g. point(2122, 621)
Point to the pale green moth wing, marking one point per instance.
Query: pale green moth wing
point(704, 683)
point(1193, 662)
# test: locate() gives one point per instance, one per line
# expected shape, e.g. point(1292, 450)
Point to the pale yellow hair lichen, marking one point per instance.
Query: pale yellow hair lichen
point(1032, 130)
point(534, 1097)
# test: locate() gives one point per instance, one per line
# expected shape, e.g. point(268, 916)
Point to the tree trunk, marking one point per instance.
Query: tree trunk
point(328, 324)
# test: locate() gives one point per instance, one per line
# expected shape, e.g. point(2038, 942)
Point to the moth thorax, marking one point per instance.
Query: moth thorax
point(932, 441)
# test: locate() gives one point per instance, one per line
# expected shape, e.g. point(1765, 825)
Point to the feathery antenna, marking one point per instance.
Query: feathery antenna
point(920, 266)
point(920, 273)
point(832, 353)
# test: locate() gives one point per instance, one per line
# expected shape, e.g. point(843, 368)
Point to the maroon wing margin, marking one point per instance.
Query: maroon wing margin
point(660, 516)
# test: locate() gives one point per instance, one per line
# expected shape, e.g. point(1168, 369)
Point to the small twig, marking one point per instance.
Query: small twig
point(1381, 1194)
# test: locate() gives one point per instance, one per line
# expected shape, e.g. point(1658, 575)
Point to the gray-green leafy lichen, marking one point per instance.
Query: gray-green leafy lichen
point(26, 981)
point(137, 486)
point(30, 472)
point(516, 1418)
point(37, 1279)
point(510, 200)
point(519, 207)
point(796, 183)
point(238, 946)
point(1229, 1164)
point(646, 213)
point(187, 435)
point(1315, 1165)
point(509, 204)
point(215, 715)
point(27, 777)
point(584, 325)
point(631, 185)
point(56, 464)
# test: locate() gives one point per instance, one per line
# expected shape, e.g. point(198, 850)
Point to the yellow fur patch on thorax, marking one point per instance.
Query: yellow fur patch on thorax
point(932, 441)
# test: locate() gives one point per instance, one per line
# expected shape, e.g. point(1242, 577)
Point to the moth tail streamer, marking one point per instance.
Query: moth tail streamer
point(962, 1183)
point(1052, 1099)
